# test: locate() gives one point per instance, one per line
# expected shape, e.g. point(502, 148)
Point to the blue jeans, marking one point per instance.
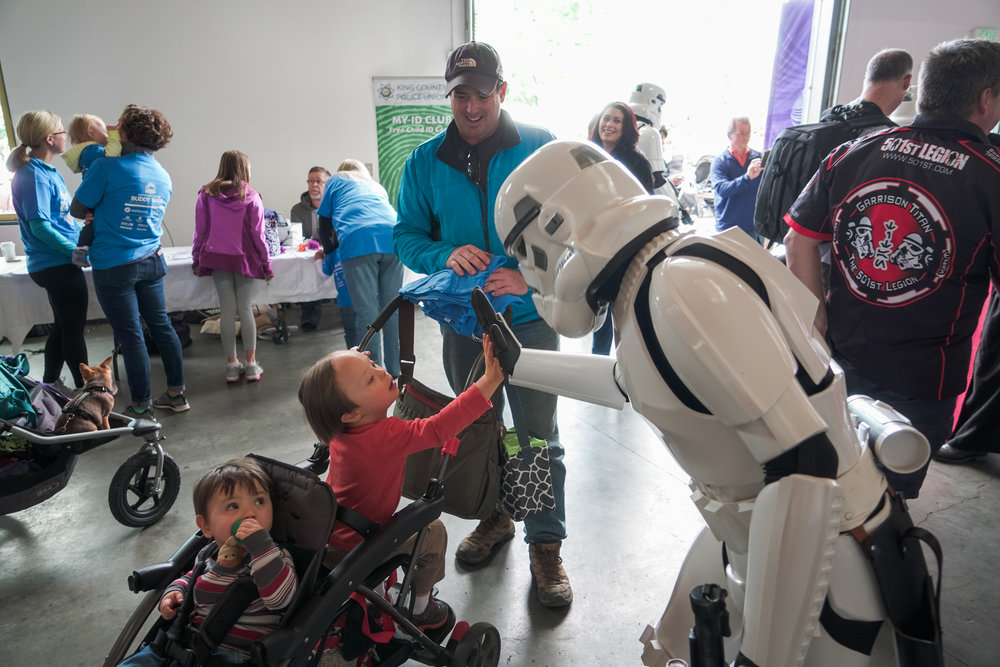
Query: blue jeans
point(540, 410)
point(374, 280)
point(352, 332)
point(933, 418)
point(604, 336)
point(147, 657)
point(127, 292)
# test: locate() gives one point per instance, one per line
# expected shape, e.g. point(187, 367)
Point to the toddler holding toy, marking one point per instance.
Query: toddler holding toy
point(232, 501)
point(346, 396)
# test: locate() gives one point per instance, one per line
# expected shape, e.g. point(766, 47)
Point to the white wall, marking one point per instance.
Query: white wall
point(914, 25)
point(288, 83)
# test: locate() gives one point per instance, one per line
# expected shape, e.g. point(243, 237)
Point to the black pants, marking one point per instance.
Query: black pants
point(978, 427)
point(67, 291)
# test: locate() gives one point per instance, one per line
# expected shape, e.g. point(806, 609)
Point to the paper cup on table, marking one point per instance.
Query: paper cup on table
point(7, 248)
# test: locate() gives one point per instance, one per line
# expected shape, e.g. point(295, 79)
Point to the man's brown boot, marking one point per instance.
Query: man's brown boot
point(488, 535)
point(546, 566)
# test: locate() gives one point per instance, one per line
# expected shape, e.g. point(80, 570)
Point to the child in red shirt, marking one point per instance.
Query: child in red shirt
point(346, 397)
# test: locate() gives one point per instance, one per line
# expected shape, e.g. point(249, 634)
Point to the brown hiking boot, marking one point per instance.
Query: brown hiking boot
point(546, 566)
point(488, 535)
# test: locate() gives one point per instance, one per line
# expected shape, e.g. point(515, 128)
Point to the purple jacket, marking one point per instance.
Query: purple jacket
point(229, 235)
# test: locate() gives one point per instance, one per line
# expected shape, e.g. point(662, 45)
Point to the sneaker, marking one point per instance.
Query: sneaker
point(253, 371)
point(949, 454)
point(483, 541)
point(433, 617)
point(546, 567)
point(132, 413)
point(234, 371)
point(176, 403)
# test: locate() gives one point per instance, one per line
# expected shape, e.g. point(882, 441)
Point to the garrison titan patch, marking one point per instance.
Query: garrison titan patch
point(894, 243)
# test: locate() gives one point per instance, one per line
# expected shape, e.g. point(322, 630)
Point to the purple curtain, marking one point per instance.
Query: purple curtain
point(788, 76)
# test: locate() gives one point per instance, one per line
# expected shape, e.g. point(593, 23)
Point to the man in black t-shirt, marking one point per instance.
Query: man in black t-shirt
point(913, 214)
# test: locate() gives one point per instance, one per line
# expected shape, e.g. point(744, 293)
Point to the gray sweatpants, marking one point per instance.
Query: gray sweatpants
point(235, 292)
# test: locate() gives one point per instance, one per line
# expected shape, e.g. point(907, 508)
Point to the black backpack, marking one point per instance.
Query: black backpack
point(797, 154)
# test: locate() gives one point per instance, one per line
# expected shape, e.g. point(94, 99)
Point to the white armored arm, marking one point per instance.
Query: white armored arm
point(586, 377)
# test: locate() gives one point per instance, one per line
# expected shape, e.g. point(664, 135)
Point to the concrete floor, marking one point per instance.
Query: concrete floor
point(64, 596)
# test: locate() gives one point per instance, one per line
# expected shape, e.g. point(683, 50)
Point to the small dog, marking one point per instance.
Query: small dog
point(90, 409)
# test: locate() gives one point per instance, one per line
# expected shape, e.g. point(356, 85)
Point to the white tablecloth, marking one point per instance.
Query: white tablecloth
point(297, 277)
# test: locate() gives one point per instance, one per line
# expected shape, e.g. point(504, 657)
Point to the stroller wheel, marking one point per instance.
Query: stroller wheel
point(132, 495)
point(479, 647)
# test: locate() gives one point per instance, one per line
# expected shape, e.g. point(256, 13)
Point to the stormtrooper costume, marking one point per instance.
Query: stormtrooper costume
point(647, 102)
point(716, 350)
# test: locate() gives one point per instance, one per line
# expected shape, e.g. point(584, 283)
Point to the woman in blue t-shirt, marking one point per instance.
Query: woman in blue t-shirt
point(49, 235)
point(355, 215)
point(129, 196)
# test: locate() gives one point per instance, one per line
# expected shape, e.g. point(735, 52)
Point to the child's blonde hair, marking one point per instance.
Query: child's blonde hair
point(323, 399)
point(79, 127)
point(32, 129)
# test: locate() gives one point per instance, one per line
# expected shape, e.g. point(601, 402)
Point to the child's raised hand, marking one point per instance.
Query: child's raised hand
point(247, 527)
point(170, 603)
point(493, 374)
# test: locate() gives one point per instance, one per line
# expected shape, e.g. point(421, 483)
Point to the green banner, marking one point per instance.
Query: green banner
point(408, 112)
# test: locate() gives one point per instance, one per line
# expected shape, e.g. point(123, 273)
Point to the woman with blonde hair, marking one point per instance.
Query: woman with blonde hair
point(49, 235)
point(229, 245)
point(356, 217)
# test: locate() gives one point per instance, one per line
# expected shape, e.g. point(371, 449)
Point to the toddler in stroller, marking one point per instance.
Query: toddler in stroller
point(304, 511)
point(234, 507)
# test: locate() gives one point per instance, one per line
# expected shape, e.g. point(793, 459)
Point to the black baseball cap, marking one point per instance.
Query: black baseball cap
point(475, 64)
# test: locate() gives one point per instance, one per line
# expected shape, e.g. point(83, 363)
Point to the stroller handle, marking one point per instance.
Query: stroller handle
point(380, 321)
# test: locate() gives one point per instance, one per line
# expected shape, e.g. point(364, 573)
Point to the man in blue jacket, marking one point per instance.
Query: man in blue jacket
point(446, 200)
point(735, 180)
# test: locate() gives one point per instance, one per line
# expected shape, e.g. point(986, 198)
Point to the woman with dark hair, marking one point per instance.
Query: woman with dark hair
point(49, 235)
point(229, 245)
point(617, 132)
point(128, 196)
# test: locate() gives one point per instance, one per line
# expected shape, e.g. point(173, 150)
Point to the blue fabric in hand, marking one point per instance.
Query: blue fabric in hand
point(446, 297)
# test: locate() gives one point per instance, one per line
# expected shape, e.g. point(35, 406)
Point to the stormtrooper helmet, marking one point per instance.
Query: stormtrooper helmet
point(647, 101)
point(574, 217)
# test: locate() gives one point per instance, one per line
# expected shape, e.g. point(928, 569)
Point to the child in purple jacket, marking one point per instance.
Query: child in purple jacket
point(229, 245)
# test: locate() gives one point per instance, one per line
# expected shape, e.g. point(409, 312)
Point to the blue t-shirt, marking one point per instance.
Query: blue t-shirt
point(129, 195)
point(39, 192)
point(361, 214)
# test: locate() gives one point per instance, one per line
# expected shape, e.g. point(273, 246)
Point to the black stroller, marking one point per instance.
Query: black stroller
point(142, 490)
point(332, 609)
